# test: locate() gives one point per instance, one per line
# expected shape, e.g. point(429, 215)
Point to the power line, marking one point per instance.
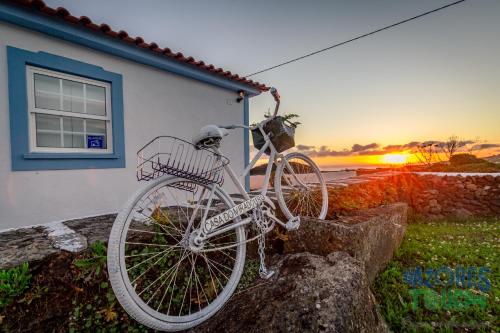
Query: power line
point(356, 38)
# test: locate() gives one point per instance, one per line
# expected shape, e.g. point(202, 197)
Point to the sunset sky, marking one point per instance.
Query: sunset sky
point(425, 80)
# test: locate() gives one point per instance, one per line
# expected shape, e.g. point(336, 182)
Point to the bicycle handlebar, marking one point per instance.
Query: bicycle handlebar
point(276, 96)
point(230, 127)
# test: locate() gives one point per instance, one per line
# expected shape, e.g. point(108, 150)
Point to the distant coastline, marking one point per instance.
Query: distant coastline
point(348, 168)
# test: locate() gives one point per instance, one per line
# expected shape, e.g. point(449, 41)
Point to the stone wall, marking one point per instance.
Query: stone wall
point(458, 196)
point(370, 235)
point(34, 244)
point(431, 196)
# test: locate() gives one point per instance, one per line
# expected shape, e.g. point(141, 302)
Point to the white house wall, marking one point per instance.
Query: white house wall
point(155, 103)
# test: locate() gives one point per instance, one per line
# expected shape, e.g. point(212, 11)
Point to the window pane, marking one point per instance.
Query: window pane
point(96, 126)
point(44, 139)
point(71, 124)
point(74, 141)
point(48, 131)
point(47, 122)
point(72, 96)
point(47, 93)
point(96, 100)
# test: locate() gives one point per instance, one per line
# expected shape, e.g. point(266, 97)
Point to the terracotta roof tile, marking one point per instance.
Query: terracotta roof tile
point(61, 11)
point(123, 36)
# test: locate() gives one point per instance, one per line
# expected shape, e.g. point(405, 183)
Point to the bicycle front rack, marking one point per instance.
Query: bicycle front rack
point(177, 157)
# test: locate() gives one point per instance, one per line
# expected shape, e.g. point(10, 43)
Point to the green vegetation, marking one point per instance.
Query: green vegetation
point(13, 283)
point(95, 309)
point(250, 273)
point(472, 243)
point(465, 163)
point(91, 267)
point(289, 118)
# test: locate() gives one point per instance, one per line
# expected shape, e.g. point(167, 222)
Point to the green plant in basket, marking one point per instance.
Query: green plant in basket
point(288, 118)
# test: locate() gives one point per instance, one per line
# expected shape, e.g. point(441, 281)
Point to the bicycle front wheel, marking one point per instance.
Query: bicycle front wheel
point(300, 187)
point(156, 276)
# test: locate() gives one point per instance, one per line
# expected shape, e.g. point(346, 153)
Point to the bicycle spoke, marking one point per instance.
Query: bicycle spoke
point(211, 273)
point(215, 264)
point(148, 269)
point(185, 292)
point(170, 282)
point(151, 244)
point(141, 254)
point(170, 270)
point(148, 259)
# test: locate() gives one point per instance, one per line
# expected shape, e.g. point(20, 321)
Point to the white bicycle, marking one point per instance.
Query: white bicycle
point(176, 251)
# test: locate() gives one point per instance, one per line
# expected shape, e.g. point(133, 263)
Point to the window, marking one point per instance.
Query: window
point(64, 113)
point(68, 113)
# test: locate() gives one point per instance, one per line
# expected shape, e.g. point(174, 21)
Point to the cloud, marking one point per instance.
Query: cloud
point(357, 147)
point(304, 147)
point(392, 148)
point(431, 142)
point(324, 151)
point(486, 146)
point(465, 143)
point(372, 152)
point(410, 145)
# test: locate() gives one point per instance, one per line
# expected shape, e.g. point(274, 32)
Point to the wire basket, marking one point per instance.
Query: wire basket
point(177, 157)
point(281, 135)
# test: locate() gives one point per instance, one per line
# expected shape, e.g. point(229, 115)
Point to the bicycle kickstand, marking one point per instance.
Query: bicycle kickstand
point(263, 271)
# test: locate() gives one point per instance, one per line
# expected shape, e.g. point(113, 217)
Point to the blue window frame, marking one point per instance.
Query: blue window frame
point(23, 158)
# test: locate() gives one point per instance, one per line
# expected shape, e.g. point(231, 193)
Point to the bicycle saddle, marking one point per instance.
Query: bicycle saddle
point(209, 136)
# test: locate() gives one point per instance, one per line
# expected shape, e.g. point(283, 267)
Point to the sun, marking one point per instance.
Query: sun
point(395, 158)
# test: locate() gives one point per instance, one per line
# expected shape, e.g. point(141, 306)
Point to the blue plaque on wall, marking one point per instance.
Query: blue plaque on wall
point(95, 141)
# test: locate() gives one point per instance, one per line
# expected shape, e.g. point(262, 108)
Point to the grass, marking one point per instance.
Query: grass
point(471, 244)
point(13, 282)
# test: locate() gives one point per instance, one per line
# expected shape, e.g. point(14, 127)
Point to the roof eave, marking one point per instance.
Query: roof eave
point(25, 17)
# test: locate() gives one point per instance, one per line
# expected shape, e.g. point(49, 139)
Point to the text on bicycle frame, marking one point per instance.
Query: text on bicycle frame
point(230, 214)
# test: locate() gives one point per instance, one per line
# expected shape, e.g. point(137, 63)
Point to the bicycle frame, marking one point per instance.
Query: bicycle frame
point(209, 228)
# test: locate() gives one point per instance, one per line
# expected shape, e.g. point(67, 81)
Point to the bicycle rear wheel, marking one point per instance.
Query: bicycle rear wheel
point(300, 187)
point(156, 276)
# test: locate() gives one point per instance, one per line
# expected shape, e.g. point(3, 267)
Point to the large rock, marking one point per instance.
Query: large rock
point(370, 235)
point(24, 245)
point(308, 293)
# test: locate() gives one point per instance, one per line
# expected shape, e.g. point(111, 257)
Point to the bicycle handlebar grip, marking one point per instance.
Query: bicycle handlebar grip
point(275, 94)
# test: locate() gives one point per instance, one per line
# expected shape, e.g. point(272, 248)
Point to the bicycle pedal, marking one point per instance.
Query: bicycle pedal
point(293, 223)
point(267, 275)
